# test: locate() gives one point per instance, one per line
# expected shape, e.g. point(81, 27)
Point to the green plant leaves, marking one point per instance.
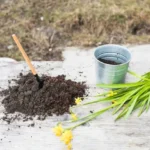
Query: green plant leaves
point(115, 86)
point(148, 104)
point(125, 99)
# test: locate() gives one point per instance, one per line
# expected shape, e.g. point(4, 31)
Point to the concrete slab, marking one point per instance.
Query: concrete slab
point(102, 133)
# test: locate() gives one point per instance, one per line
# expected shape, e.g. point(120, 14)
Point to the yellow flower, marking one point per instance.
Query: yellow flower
point(111, 93)
point(74, 117)
point(69, 146)
point(113, 102)
point(58, 130)
point(78, 100)
point(67, 137)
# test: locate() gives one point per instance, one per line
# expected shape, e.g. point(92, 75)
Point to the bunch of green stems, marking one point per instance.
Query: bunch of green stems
point(125, 98)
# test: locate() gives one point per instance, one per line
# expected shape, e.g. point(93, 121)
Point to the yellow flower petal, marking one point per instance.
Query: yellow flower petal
point(69, 146)
point(114, 102)
point(74, 117)
point(58, 130)
point(111, 93)
point(78, 100)
point(67, 137)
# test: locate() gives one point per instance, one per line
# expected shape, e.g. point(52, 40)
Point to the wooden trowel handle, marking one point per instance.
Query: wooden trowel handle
point(24, 54)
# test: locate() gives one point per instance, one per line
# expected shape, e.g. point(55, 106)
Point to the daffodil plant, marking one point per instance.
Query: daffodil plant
point(64, 134)
point(124, 99)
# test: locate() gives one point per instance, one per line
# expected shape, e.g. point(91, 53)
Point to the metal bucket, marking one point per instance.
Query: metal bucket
point(108, 73)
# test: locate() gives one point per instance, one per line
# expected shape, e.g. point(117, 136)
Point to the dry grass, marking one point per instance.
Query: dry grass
point(71, 22)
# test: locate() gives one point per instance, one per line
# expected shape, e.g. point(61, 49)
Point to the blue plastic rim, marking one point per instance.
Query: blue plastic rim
point(108, 73)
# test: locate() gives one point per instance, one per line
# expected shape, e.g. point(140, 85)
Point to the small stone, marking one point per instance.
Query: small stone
point(50, 49)
point(42, 18)
point(10, 47)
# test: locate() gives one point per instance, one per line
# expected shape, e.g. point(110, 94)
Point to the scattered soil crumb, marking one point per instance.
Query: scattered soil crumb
point(80, 72)
point(91, 111)
point(32, 125)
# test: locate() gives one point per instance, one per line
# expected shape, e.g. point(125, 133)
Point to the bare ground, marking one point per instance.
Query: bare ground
point(45, 27)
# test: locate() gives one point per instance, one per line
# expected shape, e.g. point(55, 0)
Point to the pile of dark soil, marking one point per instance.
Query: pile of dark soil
point(55, 97)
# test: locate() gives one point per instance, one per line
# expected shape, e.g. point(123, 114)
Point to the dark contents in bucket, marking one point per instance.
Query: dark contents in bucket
point(56, 96)
point(108, 61)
